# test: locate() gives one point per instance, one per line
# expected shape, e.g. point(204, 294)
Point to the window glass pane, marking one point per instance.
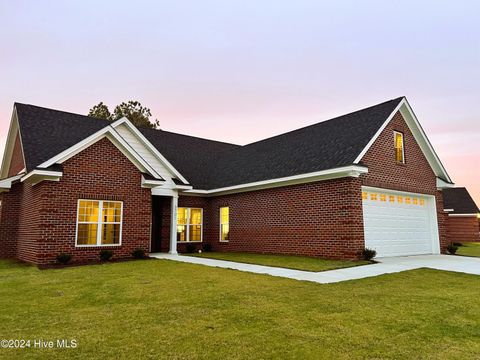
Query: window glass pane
point(195, 216)
point(87, 234)
point(195, 233)
point(181, 233)
point(111, 212)
point(224, 215)
point(399, 147)
point(111, 234)
point(225, 232)
point(182, 216)
point(88, 211)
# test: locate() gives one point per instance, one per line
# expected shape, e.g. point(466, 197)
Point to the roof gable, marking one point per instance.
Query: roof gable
point(419, 135)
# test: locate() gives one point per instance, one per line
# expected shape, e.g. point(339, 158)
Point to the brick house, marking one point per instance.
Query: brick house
point(463, 215)
point(75, 184)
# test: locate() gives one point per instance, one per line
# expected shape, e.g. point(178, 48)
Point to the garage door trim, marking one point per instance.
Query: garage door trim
point(432, 208)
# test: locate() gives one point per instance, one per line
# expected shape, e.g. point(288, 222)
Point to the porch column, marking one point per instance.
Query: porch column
point(173, 225)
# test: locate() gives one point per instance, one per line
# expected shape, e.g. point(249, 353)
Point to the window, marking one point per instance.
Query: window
point(99, 223)
point(224, 224)
point(399, 147)
point(189, 224)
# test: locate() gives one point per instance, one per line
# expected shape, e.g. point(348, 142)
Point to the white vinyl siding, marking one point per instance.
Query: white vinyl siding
point(143, 151)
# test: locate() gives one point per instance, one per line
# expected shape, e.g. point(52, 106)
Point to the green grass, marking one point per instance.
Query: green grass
point(172, 310)
point(469, 249)
point(284, 261)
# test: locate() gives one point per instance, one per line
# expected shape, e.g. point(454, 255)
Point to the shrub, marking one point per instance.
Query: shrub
point(457, 244)
point(368, 254)
point(452, 249)
point(105, 255)
point(207, 247)
point(190, 248)
point(138, 253)
point(63, 258)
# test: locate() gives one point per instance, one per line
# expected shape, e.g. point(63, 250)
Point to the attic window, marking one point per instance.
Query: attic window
point(399, 147)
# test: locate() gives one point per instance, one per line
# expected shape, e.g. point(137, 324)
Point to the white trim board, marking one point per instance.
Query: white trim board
point(13, 130)
point(346, 171)
point(36, 176)
point(148, 144)
point(419, 135)
point(463, 215)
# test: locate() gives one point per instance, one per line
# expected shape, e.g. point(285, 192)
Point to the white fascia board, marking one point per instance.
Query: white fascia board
point(377, 134)
point(75, 149)
point(117, 140)
point(419, 134)
point(346, 171)
point(463, 215)
point(434, 160)
point(448, 210)
point(150, 146)
point(152, 183)
point(13, 129)
point(6, 184)
point(36, 176)
point(442, 184)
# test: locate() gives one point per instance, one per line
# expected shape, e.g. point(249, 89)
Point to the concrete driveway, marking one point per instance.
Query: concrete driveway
point(463, 264)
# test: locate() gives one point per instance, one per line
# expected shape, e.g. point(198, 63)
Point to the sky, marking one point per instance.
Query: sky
point(241, 71)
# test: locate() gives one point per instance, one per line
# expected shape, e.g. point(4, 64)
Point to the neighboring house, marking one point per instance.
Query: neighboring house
point(463, 215)
point(75, 184)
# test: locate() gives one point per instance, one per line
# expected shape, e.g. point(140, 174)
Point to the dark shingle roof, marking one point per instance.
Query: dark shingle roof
point(208, 164)
point(459, 200)
point(325, 145)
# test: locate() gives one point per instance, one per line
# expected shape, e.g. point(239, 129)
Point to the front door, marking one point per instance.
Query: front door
point(156, 237)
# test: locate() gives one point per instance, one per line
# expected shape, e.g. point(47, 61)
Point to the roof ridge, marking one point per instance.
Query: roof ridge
point(325, 121)
point(107, 122)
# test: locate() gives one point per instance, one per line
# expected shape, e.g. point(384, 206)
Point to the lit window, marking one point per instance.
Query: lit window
point(373, 196)
point(415, 201)
point(224, 224)
point(422, 202)
point(391, 198)
point(399, 148)
point(99, 223)
point(400, 199)
point(407, 200)
point(189, 224)
point(383, 197)
point(364, 195)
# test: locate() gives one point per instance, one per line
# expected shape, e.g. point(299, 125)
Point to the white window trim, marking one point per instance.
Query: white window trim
point(187, 226)
point(395, 146)
point(227, 223)
point(99, 224)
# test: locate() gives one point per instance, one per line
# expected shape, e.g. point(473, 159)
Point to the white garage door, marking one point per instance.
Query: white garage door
point(398, 224)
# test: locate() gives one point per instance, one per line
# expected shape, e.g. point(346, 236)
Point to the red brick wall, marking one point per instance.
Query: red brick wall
point(415, 175)
point(462, 229)
point(16, 162)
point(9, 212)
point(99, 172)
point(316, 219)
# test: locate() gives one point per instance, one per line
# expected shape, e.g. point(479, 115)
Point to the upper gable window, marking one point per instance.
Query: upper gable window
point(399, 147)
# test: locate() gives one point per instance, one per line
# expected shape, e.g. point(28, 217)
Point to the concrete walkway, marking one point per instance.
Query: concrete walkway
point(462, 264)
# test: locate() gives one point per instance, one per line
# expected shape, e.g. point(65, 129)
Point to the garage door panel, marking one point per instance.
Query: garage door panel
point(397, 224)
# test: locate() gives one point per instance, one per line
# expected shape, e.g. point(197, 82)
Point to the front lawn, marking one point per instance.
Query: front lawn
point(469, 249)
point(171, 310)
point(284, 261)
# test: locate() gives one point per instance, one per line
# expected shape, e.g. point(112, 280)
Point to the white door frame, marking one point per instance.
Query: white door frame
point(432, 207)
